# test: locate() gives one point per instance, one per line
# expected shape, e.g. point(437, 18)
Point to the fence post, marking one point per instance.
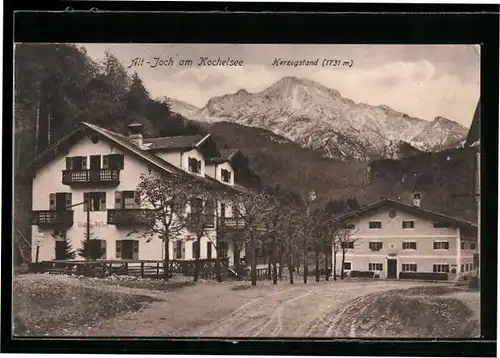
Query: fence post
point(126, 268)
point(142, 269)
point(158, 269)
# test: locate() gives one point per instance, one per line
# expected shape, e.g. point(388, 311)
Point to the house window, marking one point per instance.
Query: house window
point(440, 225)
point(347, 245)
point(349, 226)
point(463, 245)
point(179, 249)
point(222, 249)
point(60, 201)
point(409, 245)
point(226, 175)
point(472, 245)
point(97, 201)
point(127, 200)
point(409, 268)
point(194, 248)
point(462, 268)
point(209, 250)
point(347, 266)
point(375, 245)
point(375, 224)
point(222, 210)
point(441, 245)
point(194, 165)
point(441, 268)
point(76, 163)
point(127, 249)
point(467, 267)
point(113, 161)
point(408, 224)
point(375, 266)
point(95, 249)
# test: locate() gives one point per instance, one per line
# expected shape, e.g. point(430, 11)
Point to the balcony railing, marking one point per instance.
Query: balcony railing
point(195, 221)
point(52, 217)
point(91, 176)
point(129, 217)
point(232, 223)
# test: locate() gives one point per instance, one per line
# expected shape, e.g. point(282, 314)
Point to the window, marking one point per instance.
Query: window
point(127, 249)
point(409, 268)
point(463, 245)
point(347, 266)
point(223, 248)
point(194, 165)
point(472, 245)
point(179, 249)
point(209, 250)
point(347, 245)
point(127, 200)
point(462, 268)
point(466, 267)
point(76, 163)
point(409, 245)
point(196, 205)
point(95, 249)
point(226, 175)
point(440, 225)
point(113, 161)
point(441, 268)
point(375, 266)
point(60, 201)
point(375, 245)
point(222, 210)
point(375, 225)
point(441, 245)
point(349, 226)
point(408, 224)
point(97, 201)
point(209, 211)
point(195, 249)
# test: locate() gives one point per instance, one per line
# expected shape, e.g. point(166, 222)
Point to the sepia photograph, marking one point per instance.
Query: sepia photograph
point(246, 190)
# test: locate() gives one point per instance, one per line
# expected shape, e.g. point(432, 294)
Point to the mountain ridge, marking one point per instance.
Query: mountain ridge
point(318, 117)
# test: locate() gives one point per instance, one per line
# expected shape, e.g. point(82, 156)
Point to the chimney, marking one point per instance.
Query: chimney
point(135, 133)
point(416, 199)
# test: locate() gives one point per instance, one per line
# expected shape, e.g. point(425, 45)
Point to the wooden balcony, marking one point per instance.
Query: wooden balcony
point(91, 176)
point(62, 218)
point(196, 221)
point(232, 223)
point(128, 217)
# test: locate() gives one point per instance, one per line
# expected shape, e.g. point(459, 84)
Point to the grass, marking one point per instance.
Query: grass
point(52, 307)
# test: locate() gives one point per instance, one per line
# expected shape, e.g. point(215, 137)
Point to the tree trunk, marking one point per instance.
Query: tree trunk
point(317, 264)
point(342, 265)
point(236, 252)
point(334, 265)
point(269, 266)
point(291, 263)
point(217, 259)
point(197, 259)
point(275, 262)
point(280, 269)
point(166, 262)
point(305, 265)
point(327, 274)
point(253, 263)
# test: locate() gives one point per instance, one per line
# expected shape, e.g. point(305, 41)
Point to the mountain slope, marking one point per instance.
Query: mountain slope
point(319, 117)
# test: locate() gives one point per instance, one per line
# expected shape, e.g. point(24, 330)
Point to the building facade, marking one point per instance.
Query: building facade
point(88, 181)
point(390, 237)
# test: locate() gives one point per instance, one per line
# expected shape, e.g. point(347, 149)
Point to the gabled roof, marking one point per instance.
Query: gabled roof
point(410, 208)
point(226, 155)
point(173, 143)
point(124, 143)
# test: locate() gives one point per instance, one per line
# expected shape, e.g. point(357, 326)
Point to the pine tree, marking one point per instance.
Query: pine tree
point(64, 251)
point(91, 248)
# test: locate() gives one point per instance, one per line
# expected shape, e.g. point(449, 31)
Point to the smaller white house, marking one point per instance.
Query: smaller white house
point(88, 179)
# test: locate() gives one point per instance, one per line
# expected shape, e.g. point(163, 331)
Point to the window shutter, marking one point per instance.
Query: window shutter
point(209, 250)
point(69, 163)
point(103, 249)
point(121, 161)
point(183, 248)
point(52, 201)
point(222, 210)
point(105, 161)
point(199, 166)
point(137, 198)
point(118, 249)
point(85, 201)
point(136, 250)
point(118, 200)
point(194, 249)
point(174, 251)
point(68, 201)
point(84, 162)
point(102, 202)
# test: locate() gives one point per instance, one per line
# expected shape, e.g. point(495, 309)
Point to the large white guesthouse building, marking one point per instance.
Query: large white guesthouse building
point(98, 170)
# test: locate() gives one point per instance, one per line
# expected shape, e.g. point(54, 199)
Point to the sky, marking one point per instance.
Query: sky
point(424, 81)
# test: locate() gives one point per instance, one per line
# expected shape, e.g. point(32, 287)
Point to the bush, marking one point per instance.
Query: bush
point(474, 282)
point(362, 274)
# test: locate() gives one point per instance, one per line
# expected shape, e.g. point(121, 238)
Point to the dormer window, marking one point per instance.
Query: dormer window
point(226, 175)
point(194, 165)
